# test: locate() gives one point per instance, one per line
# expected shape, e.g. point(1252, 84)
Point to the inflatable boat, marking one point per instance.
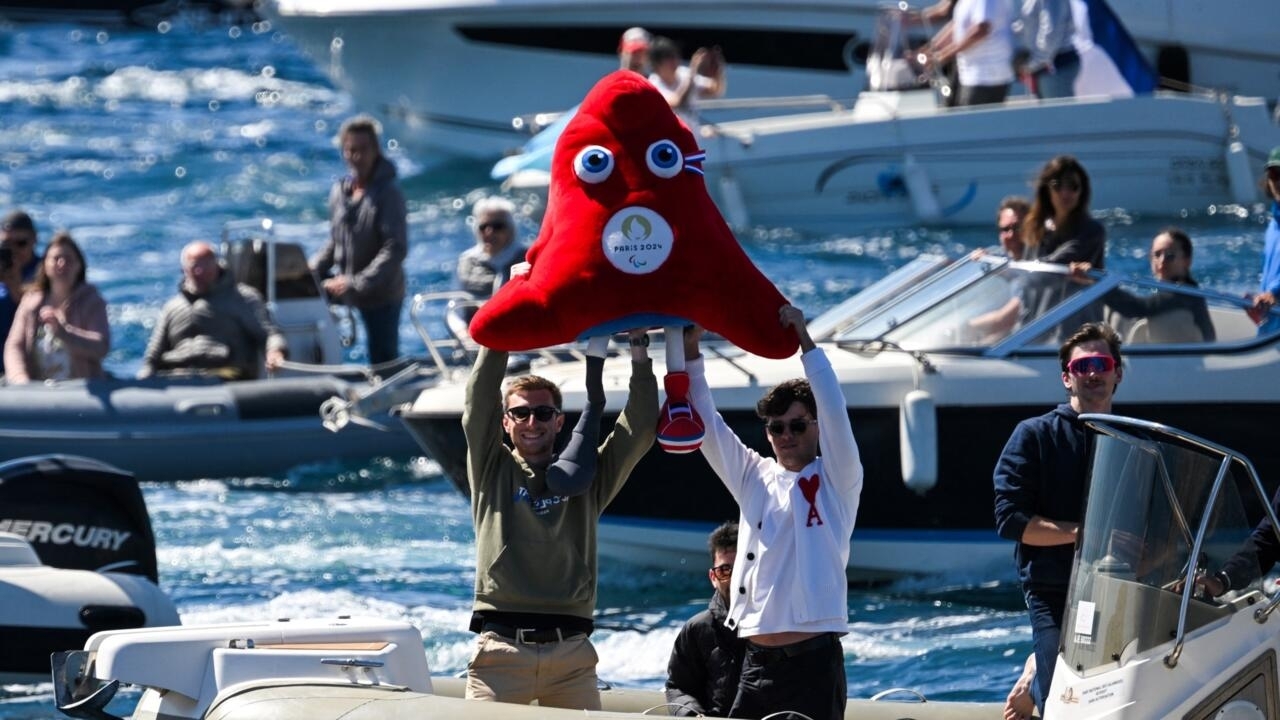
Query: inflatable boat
point(185, 427)
point(77, 557)
point(1140, 640)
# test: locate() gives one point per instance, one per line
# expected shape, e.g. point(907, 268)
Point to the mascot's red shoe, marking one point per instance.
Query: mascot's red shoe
point(680, 430)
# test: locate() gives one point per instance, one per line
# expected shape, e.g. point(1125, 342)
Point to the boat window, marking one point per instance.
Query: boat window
point(906, 308)
point(986, 310)
point(1148, 313)
point(876, 295)
point(1150, 495)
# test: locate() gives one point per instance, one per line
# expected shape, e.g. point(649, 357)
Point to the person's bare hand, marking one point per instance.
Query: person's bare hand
point(692, 336)
point(54, 319)
point(337, 286)
point(275, 358)
point(1080, 272)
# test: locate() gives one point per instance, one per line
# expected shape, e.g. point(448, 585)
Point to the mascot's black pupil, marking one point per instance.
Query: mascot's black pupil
point(595, 160)
point(665, 155)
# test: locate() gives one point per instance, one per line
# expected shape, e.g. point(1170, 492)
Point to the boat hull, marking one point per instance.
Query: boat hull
point(164, 430)
point(671, 503)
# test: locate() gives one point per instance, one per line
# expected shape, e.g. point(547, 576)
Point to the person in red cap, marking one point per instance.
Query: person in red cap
point(633, 50)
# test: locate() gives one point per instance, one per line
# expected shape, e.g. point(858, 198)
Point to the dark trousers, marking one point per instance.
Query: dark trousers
point(1046, 608)
point(382, 329)
point(806, 677)
point(983, 94)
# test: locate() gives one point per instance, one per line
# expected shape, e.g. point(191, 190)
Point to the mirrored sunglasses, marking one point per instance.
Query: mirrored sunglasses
point(797, 426)
point(1091, 364)
point(541, 413)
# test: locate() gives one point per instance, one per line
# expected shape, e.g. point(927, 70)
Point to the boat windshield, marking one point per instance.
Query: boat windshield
point(987, 304)
point(1157, 499)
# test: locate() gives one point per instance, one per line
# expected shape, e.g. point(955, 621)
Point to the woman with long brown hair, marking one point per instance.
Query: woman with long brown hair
point(60, 331)
point(1059, 229)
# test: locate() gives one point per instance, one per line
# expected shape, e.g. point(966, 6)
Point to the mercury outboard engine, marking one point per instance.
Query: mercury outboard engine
point(79, 514)
point(77, 556)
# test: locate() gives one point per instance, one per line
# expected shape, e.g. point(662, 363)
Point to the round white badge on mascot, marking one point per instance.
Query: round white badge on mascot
point(637, 240)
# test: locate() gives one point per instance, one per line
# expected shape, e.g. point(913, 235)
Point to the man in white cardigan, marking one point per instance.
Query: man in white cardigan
point(788, 593)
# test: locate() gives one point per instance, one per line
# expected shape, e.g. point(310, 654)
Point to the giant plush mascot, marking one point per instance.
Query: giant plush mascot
point(632, 239)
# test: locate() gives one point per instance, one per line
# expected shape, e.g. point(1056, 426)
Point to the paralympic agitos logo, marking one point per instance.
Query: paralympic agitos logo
point(637, 240)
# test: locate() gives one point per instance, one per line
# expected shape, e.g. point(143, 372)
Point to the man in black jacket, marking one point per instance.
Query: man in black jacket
point(702, 676)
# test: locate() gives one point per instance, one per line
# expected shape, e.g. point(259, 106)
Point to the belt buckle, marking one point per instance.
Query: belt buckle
point(520, 636)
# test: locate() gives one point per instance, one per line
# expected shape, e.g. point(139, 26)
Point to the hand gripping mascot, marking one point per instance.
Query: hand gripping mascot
point(632, 239)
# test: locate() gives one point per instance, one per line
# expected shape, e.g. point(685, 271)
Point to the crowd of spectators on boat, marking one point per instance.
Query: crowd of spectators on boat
point(994, 42)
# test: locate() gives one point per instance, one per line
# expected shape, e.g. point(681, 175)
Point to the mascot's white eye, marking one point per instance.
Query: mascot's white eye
point(593, 164)
point(664, 159)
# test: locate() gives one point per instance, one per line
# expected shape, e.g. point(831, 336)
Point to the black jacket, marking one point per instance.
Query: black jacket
point(706, 661)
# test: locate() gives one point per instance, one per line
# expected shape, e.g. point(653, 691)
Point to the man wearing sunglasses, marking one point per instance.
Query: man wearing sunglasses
point(1039, 494)
point(788, 590)
point(706, 660)
point(18, 264)
point(536, 518)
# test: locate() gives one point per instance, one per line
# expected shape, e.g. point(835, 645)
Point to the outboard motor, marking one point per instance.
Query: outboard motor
point(77, 556)
point(78, 514)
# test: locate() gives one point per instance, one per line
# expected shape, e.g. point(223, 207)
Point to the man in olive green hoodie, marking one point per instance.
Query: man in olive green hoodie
point(536, 526)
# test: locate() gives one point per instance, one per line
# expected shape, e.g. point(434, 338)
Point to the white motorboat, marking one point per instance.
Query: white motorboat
point(931, 404)
point(447, 76)
point(77, 557)
point(898, 158)
point(176, 428)
point(1140, 642)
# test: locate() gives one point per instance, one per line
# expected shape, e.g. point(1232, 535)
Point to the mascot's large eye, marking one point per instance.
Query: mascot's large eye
point(664, 159)
point(593, 164)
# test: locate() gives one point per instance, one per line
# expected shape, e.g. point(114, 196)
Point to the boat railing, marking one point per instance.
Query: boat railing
point(455, 353)
point(773, 103)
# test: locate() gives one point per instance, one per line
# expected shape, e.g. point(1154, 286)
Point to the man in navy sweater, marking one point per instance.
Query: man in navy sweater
point(1039, 496)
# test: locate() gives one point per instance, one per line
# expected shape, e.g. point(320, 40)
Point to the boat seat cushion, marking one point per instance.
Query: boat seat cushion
point(632, 239)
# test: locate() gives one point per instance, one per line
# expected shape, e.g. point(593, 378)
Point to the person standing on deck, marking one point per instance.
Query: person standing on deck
point(796, 516)
point(1039, 495)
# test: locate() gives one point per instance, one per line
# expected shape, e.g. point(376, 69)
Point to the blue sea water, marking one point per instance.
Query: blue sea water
point(139, 140)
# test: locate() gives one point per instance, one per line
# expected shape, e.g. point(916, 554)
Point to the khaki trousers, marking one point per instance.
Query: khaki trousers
point(556, 674)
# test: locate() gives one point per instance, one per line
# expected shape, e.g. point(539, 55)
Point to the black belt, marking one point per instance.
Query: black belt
point(530, 636)
point(772, 654)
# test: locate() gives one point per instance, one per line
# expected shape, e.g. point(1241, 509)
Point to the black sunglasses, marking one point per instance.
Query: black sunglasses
point(495, 226)
point(723, 571)
point(1068, 185)
point(797, 426)
point(19, 242)
point(541, 413)
point(1007, 228)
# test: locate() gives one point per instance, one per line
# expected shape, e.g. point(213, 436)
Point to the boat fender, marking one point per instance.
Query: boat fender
point(1239, 174)
point(918, 438)
point(923, 200)
point(732, 203)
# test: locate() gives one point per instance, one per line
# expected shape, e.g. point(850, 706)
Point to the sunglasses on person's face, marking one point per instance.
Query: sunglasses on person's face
point(797, 426)
point(1067, 185)
point(1007, 228)
point(494, 226)
point(18, 242)
point(1273, 173)
point(1091, 365)
point(541, 413)
point(723, 572)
